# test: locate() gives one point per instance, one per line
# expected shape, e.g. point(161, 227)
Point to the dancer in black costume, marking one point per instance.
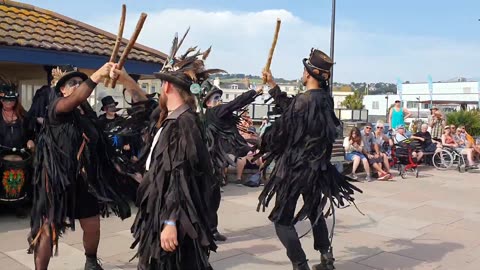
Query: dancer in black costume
point(14, 129)
point(119, 145)
point(300, 142)
point(74, 178)
point(223, 138)
point(172, 226)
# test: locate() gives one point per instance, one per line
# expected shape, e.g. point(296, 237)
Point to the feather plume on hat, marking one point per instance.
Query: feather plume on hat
point(187, 69)
point(57, 73)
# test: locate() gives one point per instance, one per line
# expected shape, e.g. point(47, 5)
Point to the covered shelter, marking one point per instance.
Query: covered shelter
point(34, 40)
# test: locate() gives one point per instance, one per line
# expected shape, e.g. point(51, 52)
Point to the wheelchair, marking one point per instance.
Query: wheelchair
point(447, 158)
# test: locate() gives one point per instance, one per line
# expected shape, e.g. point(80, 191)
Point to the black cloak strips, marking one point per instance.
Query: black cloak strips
point(65, 157)
point(222, 133)
point(177, 186)
point(300, 142)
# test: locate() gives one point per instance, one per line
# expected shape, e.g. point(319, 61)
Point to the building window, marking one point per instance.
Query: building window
point(144, 86)
point(412, 104)
point(152, 89)
point(227, 96)
point(234, 86)
point(375, 105)
point(467, 90)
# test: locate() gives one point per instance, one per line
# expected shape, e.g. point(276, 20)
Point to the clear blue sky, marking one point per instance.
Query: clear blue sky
point(405, 23)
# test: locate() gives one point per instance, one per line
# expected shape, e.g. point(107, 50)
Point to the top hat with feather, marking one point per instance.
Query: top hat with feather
point(62, 74)
point(187, 71)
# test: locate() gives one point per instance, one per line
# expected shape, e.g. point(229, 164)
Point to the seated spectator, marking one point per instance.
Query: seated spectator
point(461, 147)
point(247, 162)
point(245, 123)
point(403, 141)
point(354, 152)
point(375, 159)
point(471, 142)
point(383, 143)
point(427, 143)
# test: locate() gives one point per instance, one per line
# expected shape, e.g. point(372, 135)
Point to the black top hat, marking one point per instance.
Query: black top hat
point(318, 65)
point(8, 91)
point(187, 71)
point(210, 90)
point(67, 72)
point(108, 100)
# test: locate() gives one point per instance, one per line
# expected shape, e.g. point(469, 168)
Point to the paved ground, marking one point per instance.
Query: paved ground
point(428, 223)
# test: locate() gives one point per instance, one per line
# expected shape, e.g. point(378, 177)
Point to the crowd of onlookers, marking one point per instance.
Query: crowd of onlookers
point(372, 148)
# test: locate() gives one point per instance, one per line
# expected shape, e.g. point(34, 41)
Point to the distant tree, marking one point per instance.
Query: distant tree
point(353, 102)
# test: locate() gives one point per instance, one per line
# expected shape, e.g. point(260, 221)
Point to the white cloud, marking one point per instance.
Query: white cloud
point(241, 41)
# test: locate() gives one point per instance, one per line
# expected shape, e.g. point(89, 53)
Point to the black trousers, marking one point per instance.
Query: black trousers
point(215, 205)
point(287, 234)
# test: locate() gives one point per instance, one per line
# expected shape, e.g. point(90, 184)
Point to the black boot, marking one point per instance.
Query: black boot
point(304, 266)
point(326, 262)
point(92, 263)
point(218, 237)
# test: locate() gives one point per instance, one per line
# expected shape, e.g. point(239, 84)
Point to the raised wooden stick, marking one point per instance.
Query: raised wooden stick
point(272, 49)
point(131, 43)
point(118, 41)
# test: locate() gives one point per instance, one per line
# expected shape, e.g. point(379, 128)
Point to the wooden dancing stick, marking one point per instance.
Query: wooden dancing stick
point(272, 49)
point(118, 41)
point(130, 45)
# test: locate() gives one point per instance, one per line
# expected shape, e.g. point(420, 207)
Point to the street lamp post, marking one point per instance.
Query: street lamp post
point(418, 108)
point(386, 115)
point(332, 45)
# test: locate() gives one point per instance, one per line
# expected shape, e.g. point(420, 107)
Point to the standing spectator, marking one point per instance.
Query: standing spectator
point(265, 124)
point(436, 122)
point(398, 115)
point(353, 145)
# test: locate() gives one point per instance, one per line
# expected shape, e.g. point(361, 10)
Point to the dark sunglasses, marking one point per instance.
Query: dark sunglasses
point(379, 127)
point(73, 83)
point(8, 99)
point(368, 127)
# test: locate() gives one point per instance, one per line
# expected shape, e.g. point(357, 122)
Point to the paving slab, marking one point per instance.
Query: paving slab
point(432, 222)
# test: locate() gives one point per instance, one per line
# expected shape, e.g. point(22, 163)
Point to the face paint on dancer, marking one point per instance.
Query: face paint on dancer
point(214, 100)
point(70, 86)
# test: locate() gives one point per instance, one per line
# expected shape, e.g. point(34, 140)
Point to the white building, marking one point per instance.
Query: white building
point(416, 98)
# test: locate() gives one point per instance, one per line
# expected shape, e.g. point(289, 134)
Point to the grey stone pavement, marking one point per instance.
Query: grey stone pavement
point(432, 222)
